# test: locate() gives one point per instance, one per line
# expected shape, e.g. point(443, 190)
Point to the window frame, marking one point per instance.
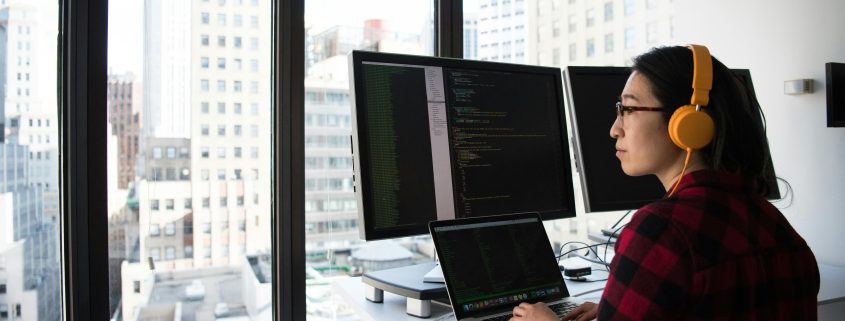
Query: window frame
point(82, 82)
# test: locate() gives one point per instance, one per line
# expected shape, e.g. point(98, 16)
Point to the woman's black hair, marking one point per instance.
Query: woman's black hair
point(739, 143)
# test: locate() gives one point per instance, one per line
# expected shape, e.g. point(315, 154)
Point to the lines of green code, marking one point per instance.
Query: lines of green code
point(400, 175)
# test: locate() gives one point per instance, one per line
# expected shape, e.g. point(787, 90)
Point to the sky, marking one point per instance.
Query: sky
point(125, 39)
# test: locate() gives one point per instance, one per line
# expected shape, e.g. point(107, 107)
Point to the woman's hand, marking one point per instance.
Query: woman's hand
point(584, 312)
point(533, 312)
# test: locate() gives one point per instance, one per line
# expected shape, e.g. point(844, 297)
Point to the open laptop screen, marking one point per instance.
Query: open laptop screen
point(494, 263)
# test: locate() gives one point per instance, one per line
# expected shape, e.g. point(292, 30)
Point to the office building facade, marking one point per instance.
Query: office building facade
point(597, 33)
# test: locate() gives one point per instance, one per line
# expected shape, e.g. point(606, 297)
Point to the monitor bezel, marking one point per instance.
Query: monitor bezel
point(361, 170)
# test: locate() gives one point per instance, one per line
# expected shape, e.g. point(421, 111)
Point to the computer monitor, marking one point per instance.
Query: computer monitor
point(591, 93)
point(440, 138)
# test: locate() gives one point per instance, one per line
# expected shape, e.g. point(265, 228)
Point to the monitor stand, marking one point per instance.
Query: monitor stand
point(408, 282)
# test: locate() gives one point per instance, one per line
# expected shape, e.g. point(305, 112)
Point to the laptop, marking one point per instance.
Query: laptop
point(492, 264)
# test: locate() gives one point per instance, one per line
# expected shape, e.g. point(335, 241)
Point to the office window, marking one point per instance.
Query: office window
point(630, 38)
point(204, 151)
point(188, 201)
point(253, 43)
point(591, 17)
point(221, 108)
point(630, 7)
point(236, 129)
point(189, 251)
point(236, 108)
point(608, 11)
point(237, 152)
point(171, 152)
point(221, 174)
point(223, 203)
point(238, 63)
point(253, 109)
point(237, 20)
point(183, 153)
point(221, 41)
point(204, 18)
point(253, 130)
point(154, 205)
point(221, 152)
point(608, 43)
point(221, 19)
point(204, 62)
point(204, 40)
point(238, 42)
point(155, 254)
point(573, 25)
point(555, 29)
point(221, 130)
point(155, 230)
point(253, 65)
point(253, 87)
point(169, 253)
point(204, 174)
point(221, 63)
point(556, 56)
point(591, 48)
point(206, 202)
point(253, 152)
point(573, 52)
point(253, 21)
point(169, 204)
point(651, 32)
point(204, 85)
point(221, 86)
point(170, 229)
point(204, 107)
point(236, 86)
point(204, 129)
point(156, 152)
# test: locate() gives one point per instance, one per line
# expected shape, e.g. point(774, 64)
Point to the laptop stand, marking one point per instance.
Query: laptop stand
point(407, 282)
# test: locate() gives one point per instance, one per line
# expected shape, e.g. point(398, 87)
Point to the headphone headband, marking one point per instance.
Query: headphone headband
point(702, 77)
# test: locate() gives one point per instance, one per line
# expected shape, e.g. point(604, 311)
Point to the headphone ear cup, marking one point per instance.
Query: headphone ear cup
point(689, 128)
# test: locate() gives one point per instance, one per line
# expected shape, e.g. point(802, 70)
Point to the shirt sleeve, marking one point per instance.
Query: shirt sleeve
point(651, 273)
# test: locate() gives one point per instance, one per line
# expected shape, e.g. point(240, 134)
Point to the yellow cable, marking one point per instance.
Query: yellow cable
point(678, 182)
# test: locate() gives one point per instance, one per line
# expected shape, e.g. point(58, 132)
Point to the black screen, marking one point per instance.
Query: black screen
point(496, 265)
point(591, 95)
point(490, 135)
point(835, 88)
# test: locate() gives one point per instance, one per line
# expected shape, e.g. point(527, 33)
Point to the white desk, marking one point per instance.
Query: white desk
point(393, 306)
point(831, 298)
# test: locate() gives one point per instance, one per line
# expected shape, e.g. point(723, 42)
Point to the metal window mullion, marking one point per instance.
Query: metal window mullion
point(82, 141)
point(288, 160)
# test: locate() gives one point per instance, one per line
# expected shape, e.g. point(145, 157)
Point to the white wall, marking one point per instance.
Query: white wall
point(781, 40)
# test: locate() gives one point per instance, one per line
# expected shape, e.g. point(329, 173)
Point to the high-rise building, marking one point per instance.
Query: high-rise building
point(204, 154)
point(122, 100)
point(599, 33)
point(502, 31)
point(32, 231)
point(26, 120)
point(470, 35)
point(230, 129)
point(166, 108)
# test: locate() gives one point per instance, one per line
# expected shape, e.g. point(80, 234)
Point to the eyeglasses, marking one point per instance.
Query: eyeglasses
point(622, 109)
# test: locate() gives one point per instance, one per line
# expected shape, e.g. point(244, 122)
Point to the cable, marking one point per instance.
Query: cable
point(620, 219)
point(581, 248)
point(678, 182)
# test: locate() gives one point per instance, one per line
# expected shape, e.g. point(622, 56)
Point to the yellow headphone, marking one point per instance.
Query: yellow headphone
point(691, 128)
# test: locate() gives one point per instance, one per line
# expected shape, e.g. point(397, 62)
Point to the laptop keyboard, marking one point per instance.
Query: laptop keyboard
point(560, 309)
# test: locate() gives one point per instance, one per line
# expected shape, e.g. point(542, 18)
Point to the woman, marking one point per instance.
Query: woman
point(714, 248)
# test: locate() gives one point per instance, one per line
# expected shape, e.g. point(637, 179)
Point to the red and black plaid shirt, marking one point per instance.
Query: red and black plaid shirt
point(714, 251)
